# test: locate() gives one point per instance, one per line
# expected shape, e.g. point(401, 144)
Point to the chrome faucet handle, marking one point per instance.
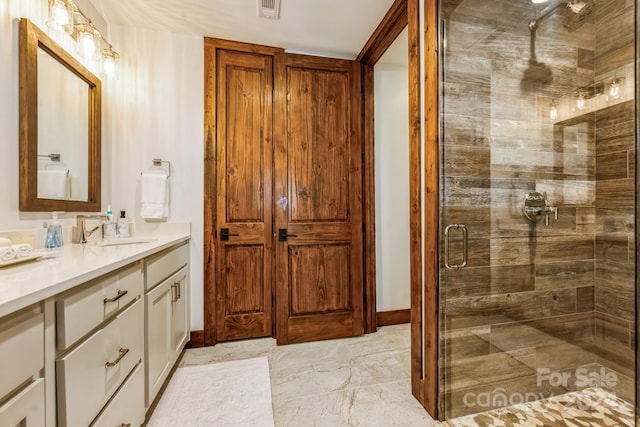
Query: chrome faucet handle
point(548, 210)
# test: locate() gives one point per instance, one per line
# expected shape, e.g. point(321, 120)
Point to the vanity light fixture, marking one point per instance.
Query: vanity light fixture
point(65, 16)
point(553, 110)
point(61, 16)
point(538, 1)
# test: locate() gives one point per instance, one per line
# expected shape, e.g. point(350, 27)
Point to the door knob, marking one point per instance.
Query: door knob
point(282, 235)
point(224, 234)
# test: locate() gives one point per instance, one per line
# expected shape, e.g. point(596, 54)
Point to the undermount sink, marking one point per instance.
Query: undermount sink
point(123, 241)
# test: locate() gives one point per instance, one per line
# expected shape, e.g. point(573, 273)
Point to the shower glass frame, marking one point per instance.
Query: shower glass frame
point(541, 320)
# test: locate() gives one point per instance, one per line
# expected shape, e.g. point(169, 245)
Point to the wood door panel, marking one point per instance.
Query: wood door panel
point(244, 196)
point(321, 327)
point(246, 306)
point(245, 278)
point(318, 191)
point(242, 84)
point(318, 132)
point(319, 279)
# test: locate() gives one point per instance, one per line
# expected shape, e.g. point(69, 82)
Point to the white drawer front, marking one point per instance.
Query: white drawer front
point(81, 311)
point(21, 350)
point(26, 409)
point(164, 264)
point(88, 376)
point(127, 406)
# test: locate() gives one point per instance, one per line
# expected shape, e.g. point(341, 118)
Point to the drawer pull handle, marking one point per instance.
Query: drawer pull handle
point(122, 352)
point(119, 295)
point(175, 292)
point(125, 425)
point(178, 289)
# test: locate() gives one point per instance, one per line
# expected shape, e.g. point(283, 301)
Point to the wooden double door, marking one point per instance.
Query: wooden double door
point(287, 243)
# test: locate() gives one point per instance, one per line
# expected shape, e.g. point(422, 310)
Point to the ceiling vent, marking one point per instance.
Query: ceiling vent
point(269, 9)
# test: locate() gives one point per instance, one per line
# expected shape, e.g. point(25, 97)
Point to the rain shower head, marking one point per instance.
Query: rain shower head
point(576, 14)
point(580, 9)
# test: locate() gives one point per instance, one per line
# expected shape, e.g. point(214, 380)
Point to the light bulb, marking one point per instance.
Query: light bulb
point(538, 1)
point(108, 67)
point(553, 111)
point(86, 41)
point(580, 103)
point(61, 17)
point(615, 91)
point(109, 58)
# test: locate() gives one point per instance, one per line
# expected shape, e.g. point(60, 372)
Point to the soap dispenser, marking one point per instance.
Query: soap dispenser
point(54, 233)
point(123, 225)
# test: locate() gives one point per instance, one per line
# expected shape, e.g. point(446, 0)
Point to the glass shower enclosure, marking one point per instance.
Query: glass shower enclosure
point(538, 210)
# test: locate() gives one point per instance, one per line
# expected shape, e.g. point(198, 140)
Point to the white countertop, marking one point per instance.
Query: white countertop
point(61, 269)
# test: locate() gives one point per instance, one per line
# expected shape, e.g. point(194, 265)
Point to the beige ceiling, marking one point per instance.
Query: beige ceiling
point(338, 28)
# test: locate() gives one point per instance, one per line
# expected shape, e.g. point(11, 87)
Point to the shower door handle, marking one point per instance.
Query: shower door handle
point(447, 234)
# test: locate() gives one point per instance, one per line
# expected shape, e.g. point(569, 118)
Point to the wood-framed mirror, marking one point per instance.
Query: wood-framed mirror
point(60, 127)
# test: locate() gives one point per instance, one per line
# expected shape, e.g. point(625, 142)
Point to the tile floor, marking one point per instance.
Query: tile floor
point(363, 381)
point(591, 407)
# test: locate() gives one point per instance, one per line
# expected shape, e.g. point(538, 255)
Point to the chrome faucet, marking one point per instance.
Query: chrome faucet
point(535, 206)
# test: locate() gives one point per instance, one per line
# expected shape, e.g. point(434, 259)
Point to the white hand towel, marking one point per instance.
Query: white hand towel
point(53, 184)
point(7, 253)
point(154, 196)
point(23, 250)
point(5, 242)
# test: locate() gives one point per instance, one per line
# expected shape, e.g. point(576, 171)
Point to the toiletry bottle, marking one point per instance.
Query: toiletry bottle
point(123, 225)
point(109, 227)
point(54, 233)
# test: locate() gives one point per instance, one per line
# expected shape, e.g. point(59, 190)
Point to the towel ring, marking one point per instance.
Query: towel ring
point(54, 157)
point(160, 162)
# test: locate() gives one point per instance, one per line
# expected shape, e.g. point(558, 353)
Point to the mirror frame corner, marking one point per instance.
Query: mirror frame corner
point(32, 38)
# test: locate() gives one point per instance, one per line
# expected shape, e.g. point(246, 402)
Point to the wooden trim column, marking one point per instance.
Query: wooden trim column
point(385, 34)
point(430, 215)
point(415, 200)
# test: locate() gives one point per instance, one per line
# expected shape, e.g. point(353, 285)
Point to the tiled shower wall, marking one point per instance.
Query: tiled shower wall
point(533, 296)
point(615, 200)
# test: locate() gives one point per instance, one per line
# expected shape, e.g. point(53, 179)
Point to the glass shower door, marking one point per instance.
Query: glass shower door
point(537, 279)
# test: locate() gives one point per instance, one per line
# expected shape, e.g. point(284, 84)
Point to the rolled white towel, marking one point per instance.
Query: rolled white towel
point(23, 250)
point(7, 253)
point(5, 242)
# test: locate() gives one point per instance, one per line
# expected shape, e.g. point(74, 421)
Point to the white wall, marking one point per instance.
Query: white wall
point(10, 12)
point(154, 107)
point(156, 110)
point(392, 178)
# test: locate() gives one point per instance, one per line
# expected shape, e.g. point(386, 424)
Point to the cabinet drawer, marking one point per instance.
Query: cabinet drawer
point(127, 406)
point(26, 409)
point(164, 264)
point(21, 350)
point(79, 312)
point(88, 376)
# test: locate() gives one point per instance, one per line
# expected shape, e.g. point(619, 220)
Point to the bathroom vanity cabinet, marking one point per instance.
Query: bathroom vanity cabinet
point(98, 352)
point(22, 393)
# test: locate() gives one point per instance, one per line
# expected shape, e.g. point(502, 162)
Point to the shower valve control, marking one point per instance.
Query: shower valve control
point(535, 207)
